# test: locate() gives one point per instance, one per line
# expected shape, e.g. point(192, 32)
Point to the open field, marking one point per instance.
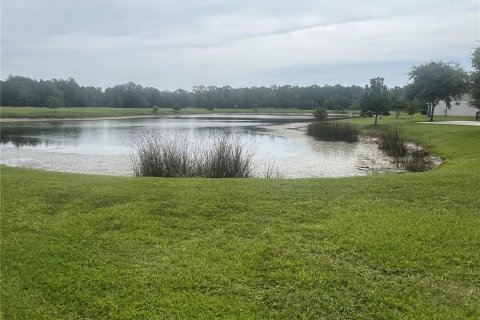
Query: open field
point(378, 247)
point(78, 113)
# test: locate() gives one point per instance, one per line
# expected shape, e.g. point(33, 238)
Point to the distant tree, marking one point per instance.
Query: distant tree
point(177, 107)
point(320, 114)
point(374, 101)
point(19, 91)
point(183, 97)
point(395, 100)
point(411, 109)
point(45, 90)
point(54, 103)
point(113, 97)
point(413, 106)
point(155, 109)
point(23, 91)
point(436, 81)
point(331, 104)
point(475, 78)
point(72, 93)
point(134, 96)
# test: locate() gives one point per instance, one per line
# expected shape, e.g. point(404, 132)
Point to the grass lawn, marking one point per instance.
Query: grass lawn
point(379, 247)
point(30, 112)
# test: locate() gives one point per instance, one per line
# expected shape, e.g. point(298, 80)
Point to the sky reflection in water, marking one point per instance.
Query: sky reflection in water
point(103, 146)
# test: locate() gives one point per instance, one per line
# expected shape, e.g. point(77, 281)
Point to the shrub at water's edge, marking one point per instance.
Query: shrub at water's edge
point(333, 131)
point(157, 155)
point(393, 142)
point(415, 161)
point(320, 114)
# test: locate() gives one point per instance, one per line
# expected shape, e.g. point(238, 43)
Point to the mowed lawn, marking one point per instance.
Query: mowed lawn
point(380, 247)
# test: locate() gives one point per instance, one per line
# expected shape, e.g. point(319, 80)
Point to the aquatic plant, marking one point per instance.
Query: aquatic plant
point(161, 155)
point(393, 143)
point(415, 161)
point(320, 114)
point(333, 131)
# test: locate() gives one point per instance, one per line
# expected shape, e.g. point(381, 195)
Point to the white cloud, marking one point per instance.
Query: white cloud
point(172, 44)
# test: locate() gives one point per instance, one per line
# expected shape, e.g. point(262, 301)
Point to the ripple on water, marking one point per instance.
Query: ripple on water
point(102, 147)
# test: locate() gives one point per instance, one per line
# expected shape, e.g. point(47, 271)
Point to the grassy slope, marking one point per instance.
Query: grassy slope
point(380, 247)
point(29, 112)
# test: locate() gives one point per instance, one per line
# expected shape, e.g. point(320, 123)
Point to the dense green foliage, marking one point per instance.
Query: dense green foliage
point(54, 103)
point(414, 106)
point(436, 81)
point(380, 247)
point(22, 91)
point(475, 78)
point(375, 99)
point(320, 114)
point(397, 100)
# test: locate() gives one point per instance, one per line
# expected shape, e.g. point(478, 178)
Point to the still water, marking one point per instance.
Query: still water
point(104, 146)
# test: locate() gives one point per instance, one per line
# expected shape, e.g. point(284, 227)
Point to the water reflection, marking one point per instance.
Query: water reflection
point(36, 133)
point(98, 137)
point(103, 146)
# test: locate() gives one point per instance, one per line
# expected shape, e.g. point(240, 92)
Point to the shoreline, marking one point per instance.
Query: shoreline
point(106, 165)
point(9, 120)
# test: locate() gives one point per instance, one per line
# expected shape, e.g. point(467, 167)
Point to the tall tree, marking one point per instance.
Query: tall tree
point(436, 81)
point(374, 101)
point(395, 100)
point(475, 78)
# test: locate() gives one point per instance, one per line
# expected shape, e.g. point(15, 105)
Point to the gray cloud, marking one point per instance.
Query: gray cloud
point(171, 44)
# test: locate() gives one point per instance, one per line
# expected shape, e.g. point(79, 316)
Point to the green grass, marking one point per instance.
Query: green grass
point(30, 112)
point(380, 247)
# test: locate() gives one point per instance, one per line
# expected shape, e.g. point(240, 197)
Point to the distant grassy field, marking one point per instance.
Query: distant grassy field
point(379, 247)
point(60, 113)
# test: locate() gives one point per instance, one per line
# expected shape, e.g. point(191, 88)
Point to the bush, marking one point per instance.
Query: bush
point(320, 114)
point(54, 103)
point(415, 161)
point(226, 156)
point(177, 107)
point(155, 109)
point(333, 131)
point(392, 142)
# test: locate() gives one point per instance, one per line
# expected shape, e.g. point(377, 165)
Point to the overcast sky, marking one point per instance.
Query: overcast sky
point(172, 44)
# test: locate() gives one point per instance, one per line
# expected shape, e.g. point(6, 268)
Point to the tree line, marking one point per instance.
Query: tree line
point(23, 91)
point(429, 84)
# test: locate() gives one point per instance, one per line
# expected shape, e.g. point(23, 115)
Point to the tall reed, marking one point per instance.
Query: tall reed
point(161, 155)
point(393, 142)
point(415, 161)
point(333, 131)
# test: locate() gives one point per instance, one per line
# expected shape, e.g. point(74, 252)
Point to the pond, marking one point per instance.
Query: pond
point(104, 146)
